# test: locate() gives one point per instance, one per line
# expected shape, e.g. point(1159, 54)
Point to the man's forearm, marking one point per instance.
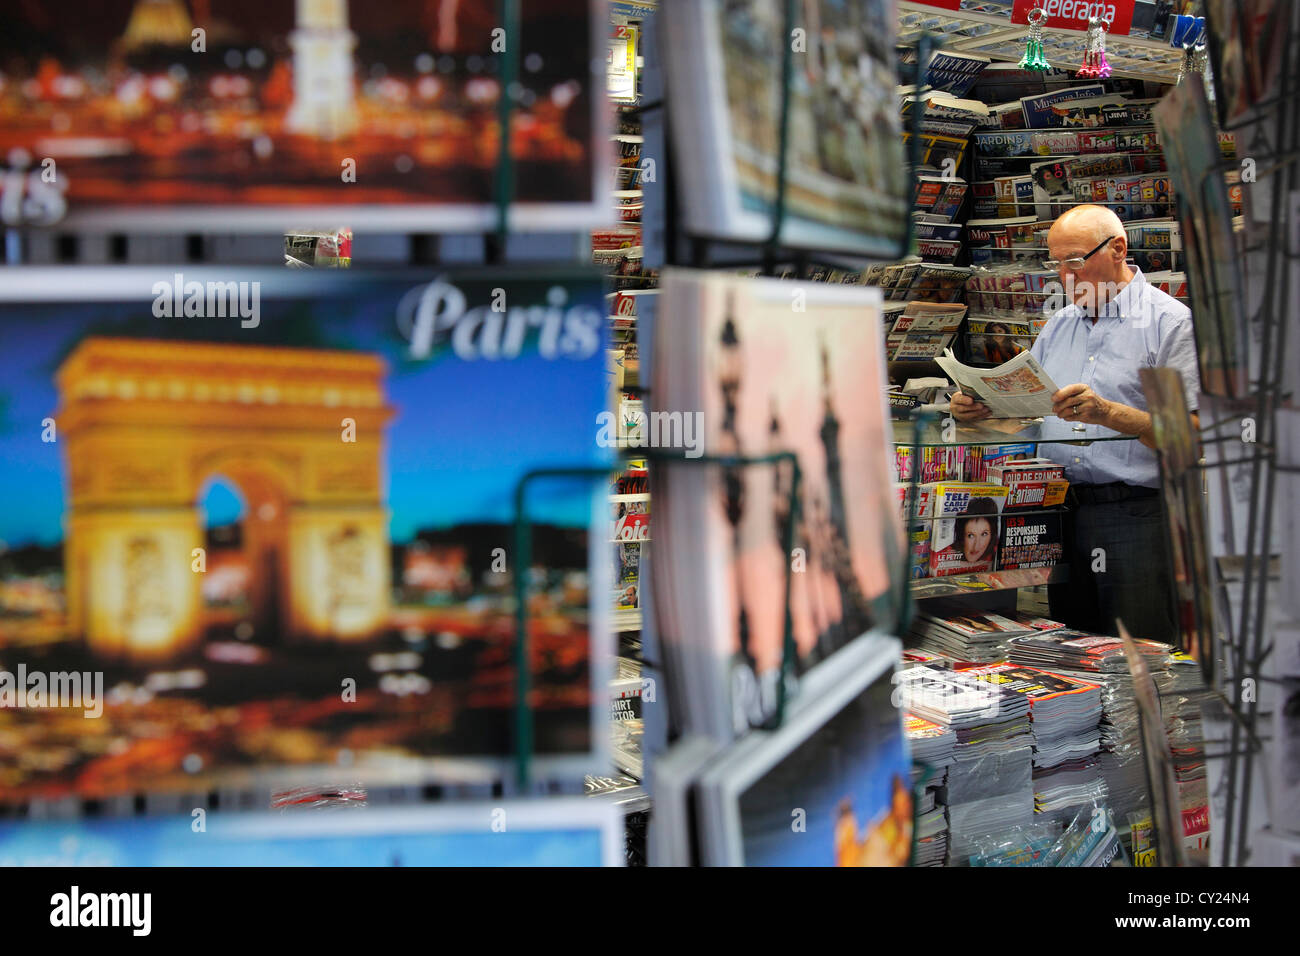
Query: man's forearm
point(1133, 421)
point(1130, 421)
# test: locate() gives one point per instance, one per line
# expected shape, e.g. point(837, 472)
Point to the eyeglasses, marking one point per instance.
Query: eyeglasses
point(1076, 262)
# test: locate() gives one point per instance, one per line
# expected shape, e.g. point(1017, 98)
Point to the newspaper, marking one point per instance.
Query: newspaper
point(1019, 388)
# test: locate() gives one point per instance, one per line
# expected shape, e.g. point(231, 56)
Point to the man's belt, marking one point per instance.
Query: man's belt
point(1108, 493)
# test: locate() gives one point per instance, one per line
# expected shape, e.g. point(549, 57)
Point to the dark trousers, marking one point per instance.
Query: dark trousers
point(1126, 540)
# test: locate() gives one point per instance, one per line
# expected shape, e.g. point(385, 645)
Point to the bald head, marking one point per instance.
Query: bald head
point(1080, 232)
point(1091, 223)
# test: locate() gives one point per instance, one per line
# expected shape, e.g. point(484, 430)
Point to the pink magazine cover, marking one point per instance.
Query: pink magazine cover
point(810, 381)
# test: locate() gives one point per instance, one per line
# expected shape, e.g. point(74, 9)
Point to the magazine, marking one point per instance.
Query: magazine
point(1245, 39)
point(1019, 388)
point(996, 340)
point(1030, 541)
point(847, 185)
point(954, 72)
point(939, 197)
point(930, 317)
point(919, 346)
point(1050, 109)
point(765, 381)
point(240, 513)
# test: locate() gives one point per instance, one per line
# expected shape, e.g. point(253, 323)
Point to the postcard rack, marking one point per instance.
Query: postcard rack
point(523, 559)
point(770, 250)
point(1271, 131)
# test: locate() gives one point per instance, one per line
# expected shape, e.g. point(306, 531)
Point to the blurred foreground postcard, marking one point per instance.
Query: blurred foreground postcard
point(278, 534)
point(257, 114)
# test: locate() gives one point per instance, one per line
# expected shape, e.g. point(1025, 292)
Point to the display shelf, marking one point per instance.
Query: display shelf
point(1003, 431)
point(986, 581)
point(985, 28)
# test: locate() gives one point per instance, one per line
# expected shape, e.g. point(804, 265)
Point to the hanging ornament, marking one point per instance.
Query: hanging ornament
point(1201, 64)
point(1186, 66)
point(1094, 65)
point(1033, 58)
point(1196, 59)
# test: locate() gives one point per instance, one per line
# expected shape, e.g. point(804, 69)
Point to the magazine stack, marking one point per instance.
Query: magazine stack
point(962, 634)
point(932, 753)
point(990, 785)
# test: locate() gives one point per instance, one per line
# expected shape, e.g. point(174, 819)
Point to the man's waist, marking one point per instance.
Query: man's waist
point(1086, 494)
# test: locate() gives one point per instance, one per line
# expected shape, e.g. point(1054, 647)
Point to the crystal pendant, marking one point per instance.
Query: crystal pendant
point(1033, 58)
point(1095, 66)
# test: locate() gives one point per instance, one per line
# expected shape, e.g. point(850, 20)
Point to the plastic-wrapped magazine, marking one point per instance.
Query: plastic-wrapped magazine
point(1018, 388)
point(846, 178)
point(1090, 840)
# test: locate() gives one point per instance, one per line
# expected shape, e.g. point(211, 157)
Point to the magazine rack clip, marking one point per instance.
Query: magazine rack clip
point(523, 722)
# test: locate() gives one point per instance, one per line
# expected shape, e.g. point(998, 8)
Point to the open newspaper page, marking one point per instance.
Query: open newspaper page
point(1019, 388)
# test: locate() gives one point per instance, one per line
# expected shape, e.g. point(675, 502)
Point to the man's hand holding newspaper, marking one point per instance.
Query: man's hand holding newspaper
point(1019, 388)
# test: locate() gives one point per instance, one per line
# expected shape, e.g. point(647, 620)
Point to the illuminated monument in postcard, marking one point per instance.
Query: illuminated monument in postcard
point(145, 424)
point(324, 93)
point(158, 23)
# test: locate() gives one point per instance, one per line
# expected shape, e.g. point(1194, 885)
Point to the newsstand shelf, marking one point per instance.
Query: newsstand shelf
point(986, 581)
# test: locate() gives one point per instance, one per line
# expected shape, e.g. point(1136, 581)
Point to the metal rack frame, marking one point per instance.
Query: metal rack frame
point(985, 28)
point(1274, 137)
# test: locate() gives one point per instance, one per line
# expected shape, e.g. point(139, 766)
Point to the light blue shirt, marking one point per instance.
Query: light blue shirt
point(1141, 327)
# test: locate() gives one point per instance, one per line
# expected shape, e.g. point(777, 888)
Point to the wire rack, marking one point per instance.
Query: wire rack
point(986, 29)
point(1270, 311)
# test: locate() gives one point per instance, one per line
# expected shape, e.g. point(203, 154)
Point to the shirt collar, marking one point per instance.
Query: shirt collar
point(1126, 301)
point(1118, 307)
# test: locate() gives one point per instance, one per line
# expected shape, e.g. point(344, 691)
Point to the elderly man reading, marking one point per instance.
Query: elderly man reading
point(1115, 535)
